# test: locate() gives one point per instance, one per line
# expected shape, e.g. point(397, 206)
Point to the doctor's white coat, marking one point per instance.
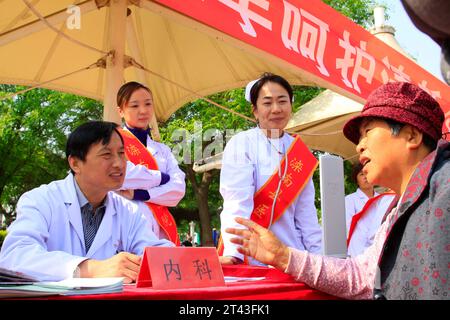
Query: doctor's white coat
point(47, 241)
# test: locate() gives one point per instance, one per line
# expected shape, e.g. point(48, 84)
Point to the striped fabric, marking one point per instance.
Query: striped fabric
point(91, 222)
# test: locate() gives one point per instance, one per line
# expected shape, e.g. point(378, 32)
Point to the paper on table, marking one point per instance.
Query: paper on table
point(13, 276)
point(236, 279)
point(73, 286)
point(76, 286)
point(28, 290)
point(83, 283)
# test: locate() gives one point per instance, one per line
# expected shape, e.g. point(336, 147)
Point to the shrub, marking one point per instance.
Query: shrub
point(2, 237)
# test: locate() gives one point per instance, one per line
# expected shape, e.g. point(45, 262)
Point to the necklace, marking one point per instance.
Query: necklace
point(270, 142)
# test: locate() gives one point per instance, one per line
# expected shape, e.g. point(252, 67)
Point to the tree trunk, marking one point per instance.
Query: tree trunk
point(201, 191)
point(205, 218)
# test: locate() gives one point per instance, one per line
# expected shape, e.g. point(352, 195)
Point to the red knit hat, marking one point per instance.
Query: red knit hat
point(403, 102)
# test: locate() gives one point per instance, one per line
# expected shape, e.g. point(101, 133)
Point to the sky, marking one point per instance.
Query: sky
point(416, 43)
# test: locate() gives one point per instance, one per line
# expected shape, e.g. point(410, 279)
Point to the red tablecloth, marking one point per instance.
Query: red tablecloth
point(275, 286)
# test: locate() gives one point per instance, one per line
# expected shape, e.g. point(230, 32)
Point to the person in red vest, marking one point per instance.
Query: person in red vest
point(153, 177)
point(398, 137)
point(364, 224)
point(364, 210)
point(266, 175)
point(355, 201)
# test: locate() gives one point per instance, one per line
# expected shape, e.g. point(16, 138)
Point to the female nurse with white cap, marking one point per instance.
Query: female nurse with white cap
point(266, 175)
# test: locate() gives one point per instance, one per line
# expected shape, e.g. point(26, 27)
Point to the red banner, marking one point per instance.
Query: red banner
point(317, 39)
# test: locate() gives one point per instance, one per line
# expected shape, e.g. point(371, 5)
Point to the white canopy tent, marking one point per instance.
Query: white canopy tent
point(320, 121)
point(91, 47)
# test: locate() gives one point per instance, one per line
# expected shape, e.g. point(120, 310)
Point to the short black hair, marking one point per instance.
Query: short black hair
point(269, 77)
point(357, 167)
point(87, 134)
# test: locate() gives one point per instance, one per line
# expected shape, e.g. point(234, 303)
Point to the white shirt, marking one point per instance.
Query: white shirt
point(169, 194)
point(46, 241)
point(248, 162)
point(354, 203)
point(368, 225)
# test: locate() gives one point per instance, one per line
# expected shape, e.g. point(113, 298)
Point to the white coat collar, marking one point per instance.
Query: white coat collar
point(152, 146)
point(73, 207)
point(74, 213)
point(363, 196)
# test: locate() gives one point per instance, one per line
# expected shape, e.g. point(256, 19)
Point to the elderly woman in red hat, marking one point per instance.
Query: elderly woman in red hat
point(398, 137)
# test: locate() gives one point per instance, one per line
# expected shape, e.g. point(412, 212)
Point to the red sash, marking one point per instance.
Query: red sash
point(363, 211)
point(138, 154)
point(301, 166)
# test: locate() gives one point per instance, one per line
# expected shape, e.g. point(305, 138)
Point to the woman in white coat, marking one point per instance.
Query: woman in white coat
point(78, 227)
point(154, 179)
point(254, 158)
point(355, 201)
point(364, 210)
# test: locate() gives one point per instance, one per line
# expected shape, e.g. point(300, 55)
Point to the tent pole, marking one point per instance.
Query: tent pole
point(133, 46)
point(115, 63)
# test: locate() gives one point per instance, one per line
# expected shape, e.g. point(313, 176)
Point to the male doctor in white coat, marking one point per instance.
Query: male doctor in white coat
point(78, 227)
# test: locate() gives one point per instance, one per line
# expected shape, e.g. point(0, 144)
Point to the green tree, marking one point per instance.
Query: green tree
point(359, 11)
point(33, 130)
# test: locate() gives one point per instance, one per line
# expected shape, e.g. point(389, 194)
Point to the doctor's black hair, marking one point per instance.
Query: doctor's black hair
point(89, 133)
point(269, 77)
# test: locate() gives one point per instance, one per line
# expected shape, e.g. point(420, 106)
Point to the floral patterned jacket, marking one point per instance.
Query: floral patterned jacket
point(415, 259)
